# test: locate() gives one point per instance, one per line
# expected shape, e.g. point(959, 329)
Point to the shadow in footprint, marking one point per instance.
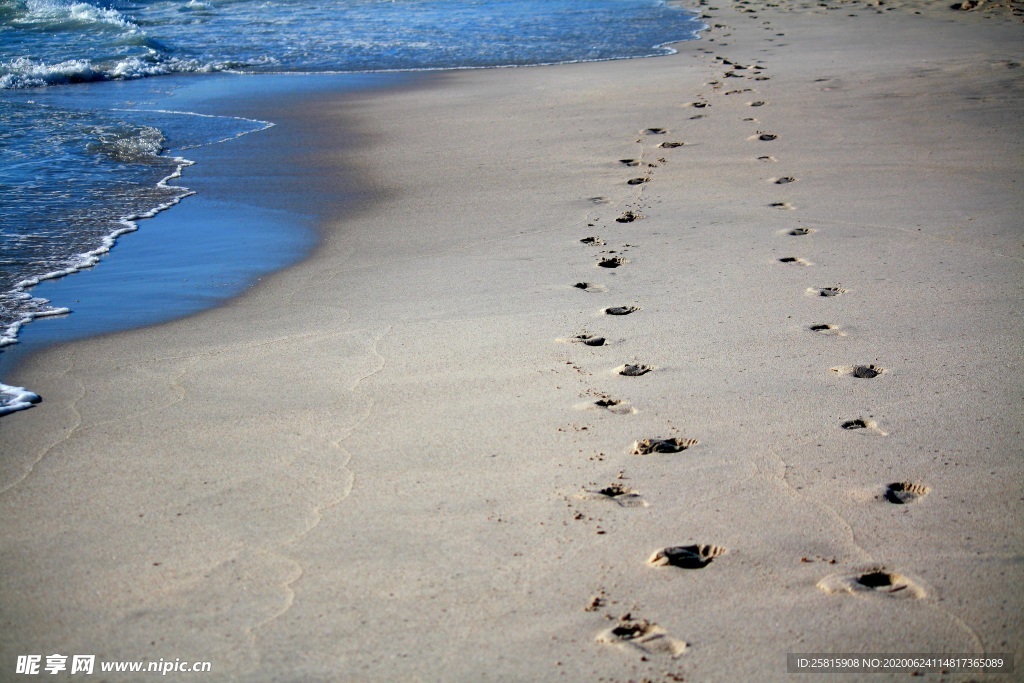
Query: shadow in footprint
point(873, 580)
point(621, 310)
point(866, 371)
point(800, 232)
point(904, 493)
point(613, 262)
point(876, 580)
point(586, 339)
point(642, 638)
point(637, 181)
point(864, 425)
point(618, 494)
point(592, 241)
point(627, 217)
point(859, 371)
point(686, 556)
point(612, 405)
point(826, 291)
point(674, 445)
point(795, 260)
point(630, 162)
point(633, 370)
point(590, 287)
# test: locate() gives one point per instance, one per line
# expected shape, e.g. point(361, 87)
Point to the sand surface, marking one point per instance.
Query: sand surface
point(412, 456)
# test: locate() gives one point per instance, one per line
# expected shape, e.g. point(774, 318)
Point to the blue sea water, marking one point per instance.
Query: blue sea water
point(83, 162)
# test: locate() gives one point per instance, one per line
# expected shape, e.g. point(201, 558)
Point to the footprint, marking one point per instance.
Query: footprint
point(826, 291)
point(782, 205)
point(621, 310)
point(654, 131)
point(586, 339)
point(785, 180)
point(758, 103)
point(904, 493)
point(686, 557)
point(764, 137)
point(628, 217)
point(648, 446)
point(671, 145)
point(800, 232)
point(825, 328)
point(866, 371)
point(612, 405)
point(590, 287)
point(590, 340)
point(613, 262)
point(642, 637)
point(767, 158)
point(594, 241)
point(697, 105)
point(872, 580)
point(860, 372)
point(631, 370)
point(795, 260)
point(617, 493)
point(862, 424)
point(630, 162)
point(596, 602)
point(637, 181)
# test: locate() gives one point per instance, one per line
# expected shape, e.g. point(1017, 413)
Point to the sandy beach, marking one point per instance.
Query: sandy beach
point(656, 369)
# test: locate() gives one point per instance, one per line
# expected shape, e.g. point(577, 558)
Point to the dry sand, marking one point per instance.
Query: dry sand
point(387, 462)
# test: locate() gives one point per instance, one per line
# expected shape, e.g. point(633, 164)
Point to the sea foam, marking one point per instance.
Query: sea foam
point(13, 399)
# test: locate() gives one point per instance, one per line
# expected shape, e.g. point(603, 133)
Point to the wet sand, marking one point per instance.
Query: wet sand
point(655, 369)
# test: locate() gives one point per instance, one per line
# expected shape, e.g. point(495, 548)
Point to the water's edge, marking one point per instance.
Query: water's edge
point(217, 243)
point(250, 211)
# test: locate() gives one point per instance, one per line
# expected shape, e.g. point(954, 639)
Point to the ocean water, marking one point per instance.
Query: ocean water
point(84, 162)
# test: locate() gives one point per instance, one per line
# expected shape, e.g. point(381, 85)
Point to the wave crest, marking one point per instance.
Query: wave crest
point(57, 14)
point(28, 73)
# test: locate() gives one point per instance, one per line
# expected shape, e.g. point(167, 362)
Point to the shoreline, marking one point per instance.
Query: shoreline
point(215, 246)
point(162, 89)
point(407, 457)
